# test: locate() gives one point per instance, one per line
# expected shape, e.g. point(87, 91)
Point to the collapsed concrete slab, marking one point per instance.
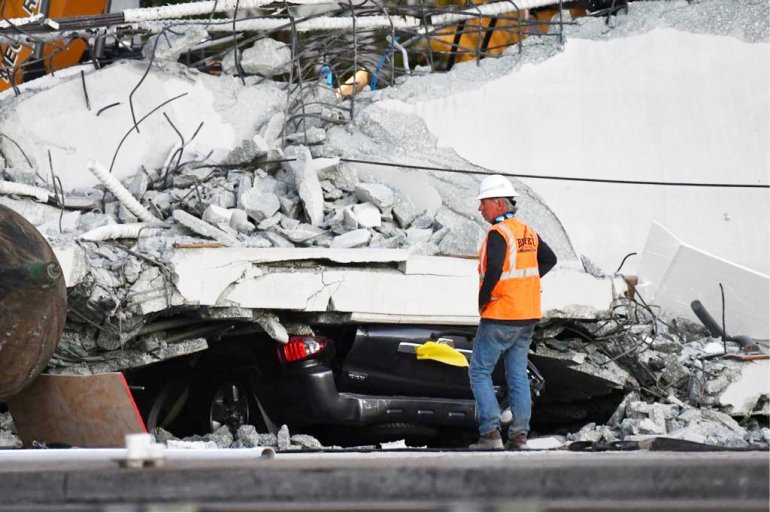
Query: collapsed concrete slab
point(76, 134)
point(672, 274)
point(433, 289)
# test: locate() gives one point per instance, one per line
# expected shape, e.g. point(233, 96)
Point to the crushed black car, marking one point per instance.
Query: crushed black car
point(351, 385)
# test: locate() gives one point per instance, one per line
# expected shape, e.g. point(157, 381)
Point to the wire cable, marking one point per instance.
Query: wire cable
point(564, 178)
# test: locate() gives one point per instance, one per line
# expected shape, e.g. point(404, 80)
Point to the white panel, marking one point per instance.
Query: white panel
point(659, 251)
point(694, 274)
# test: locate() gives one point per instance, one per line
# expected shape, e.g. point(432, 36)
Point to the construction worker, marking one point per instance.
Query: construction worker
point(512, 259)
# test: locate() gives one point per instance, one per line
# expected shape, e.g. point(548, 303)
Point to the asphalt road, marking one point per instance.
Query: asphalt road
point(414, 480)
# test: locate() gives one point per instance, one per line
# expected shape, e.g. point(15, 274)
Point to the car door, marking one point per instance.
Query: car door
point(383, 361)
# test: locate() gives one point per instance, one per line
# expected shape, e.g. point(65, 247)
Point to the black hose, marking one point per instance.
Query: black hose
point(747, 344)
point(706, 319)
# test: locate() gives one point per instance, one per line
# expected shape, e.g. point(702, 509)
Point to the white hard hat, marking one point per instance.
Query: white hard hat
point(496, 186)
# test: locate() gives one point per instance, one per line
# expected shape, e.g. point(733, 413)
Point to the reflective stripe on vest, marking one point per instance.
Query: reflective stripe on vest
point(512, 272)
point(517, 293)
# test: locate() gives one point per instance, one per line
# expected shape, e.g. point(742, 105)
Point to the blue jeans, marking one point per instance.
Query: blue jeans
point(512, 342)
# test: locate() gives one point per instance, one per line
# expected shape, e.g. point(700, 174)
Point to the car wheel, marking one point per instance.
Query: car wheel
point(223, 401)
point(229, 406)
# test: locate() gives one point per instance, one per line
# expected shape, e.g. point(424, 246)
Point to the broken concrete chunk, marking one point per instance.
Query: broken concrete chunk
point(306, 442)
point(343, 175)
point(424, 249)
point(353, 239)
point(378, 241)
point(244, 185)
point(9, 440)
point(381, 195)
point(272, 130)
point(138, 184)
point(390, 230)
point(203, 228)
point(417, 235)
point(270, 222)
point(217, 215)
point(283, 438)
point(168, 46)
point(266, 57)
point(248, 435)
point(287, 223)
point(260, 145)
point(302, 233)
point(307, 183)
point(75, 202)
point(439, 235)
point(291, 205)
point(6, 422)
point(272, 326)
point(125, 215)
point(260, 206)
point(463, 239)
point(222, 437)
point(309, 136)
point(327, 168)
point(91, 220)
point(344, 220)
point(367, 215)
point(265, 183)
point(256, 241)
point(725, 420)
point(267, 440)
point(331, 192)
point(424, 220)
point(239, 221)
point(221, 197)
point(404, 210)
point(278, 240)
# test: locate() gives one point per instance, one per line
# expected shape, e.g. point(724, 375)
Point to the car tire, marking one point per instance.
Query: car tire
point(217, 400)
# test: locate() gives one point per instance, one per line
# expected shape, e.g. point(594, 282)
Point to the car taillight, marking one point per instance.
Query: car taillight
point(300, 347)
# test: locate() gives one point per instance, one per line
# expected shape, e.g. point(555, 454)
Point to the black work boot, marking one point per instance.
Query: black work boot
point(490, 440)
point(517, 442)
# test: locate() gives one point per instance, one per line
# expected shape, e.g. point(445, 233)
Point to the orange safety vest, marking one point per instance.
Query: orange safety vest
point(516, 295)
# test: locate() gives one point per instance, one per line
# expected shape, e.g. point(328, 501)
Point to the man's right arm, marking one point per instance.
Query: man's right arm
point(546, 258)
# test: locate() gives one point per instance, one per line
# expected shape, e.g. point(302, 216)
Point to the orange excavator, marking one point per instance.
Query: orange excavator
point(26, 58)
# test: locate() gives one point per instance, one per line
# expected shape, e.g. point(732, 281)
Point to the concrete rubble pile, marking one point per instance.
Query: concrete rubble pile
point(245, 436)
point(680, 382)
point(238, 184)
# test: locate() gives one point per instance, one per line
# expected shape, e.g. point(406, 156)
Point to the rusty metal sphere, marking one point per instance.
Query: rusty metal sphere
point(33, 302)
